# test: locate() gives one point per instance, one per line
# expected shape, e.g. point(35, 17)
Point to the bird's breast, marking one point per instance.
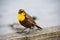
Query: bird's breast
point(21, 17)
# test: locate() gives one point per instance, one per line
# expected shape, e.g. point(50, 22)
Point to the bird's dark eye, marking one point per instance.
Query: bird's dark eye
point(21, 11)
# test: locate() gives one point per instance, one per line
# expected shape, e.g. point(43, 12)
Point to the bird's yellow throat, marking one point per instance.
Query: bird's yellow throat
point(21, 17)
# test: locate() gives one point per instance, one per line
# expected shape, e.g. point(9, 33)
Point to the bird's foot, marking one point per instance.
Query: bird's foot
point(21, 32)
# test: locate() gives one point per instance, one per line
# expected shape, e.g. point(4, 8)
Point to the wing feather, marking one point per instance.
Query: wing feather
point(29, 18)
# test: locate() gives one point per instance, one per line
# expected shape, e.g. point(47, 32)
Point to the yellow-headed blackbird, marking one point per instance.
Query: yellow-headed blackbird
point(26, 20)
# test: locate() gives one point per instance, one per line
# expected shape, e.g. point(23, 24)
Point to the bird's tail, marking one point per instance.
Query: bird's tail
point(38, 27)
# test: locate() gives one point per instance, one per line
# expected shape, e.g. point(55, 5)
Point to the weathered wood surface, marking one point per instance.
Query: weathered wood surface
point(49, 33)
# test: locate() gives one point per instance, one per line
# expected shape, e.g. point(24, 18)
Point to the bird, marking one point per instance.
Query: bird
point(26, 20)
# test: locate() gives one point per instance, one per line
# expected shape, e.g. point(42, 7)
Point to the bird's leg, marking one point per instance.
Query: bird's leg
point(23, 30)
point(28, 31)
point(32, 28)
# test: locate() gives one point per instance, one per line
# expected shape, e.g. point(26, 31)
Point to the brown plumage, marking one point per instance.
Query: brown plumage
point(28, 22)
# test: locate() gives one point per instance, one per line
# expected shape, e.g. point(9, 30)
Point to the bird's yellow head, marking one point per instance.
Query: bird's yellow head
point(21, 15)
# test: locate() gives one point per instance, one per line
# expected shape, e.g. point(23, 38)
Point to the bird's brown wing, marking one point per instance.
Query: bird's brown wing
point(29, 18)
